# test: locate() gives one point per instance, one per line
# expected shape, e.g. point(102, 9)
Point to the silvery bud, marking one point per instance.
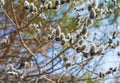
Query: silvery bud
point(63, 41)
point(26, 4)
point(62, 36)
point(49, 5)
point(53, 33)
point(4, 42)
point(92, 13)
point(68, 36)
point(84, 30)
point(92, 49)
point(58, 31)
point(33, 8)
point(101, 75)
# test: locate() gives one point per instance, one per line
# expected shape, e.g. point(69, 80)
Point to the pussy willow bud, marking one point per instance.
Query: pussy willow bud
point(62, 36)
point(114, 34)
point(92, 13)
point(100, 50)
point(84, 30)
point(57, 38)
point(68, 36)
point(63, 41)
point(108, 72)
point(5, 41)
point(92, 49)
point(33, 8)
point(49, 5)
point(71, 41)
point(110, 68)
point(53, 33)
point(101, 75)
point(58, 31)
point(114, 69)
point(68, 64)
point(26, 4)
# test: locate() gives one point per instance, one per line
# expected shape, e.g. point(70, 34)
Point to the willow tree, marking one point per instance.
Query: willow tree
point(58, 41)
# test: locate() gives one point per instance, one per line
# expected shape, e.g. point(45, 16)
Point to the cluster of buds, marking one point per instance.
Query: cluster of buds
point(111, 38)
point(13, 71)
point(58, 35)
point(30, 6)
point(93, 49)
point(70, 39)
point(60, 2)
point(111, 70)
point(50, 4)
point(4, 42)
point(80, 47)
point(37, 27)
point(101, 74)
point(92, 12)
point(115, 6)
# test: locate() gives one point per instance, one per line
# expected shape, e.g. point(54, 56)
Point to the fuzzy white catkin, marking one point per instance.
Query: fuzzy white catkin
point(68, 36)
point(62, 36)
point(84, 30)
point(92, 13)
point(33, 8)
point(53, 33)
point(92, 49)
point(68, 64)
point(50, 4)
point(58, 30)
point(26, 4)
